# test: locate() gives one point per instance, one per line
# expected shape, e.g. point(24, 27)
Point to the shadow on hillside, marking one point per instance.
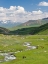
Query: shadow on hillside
point(23, 31)
point(27, 31)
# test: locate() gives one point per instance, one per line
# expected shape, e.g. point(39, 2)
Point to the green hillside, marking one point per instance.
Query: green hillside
point(32, 30)
point(31, 23)
point(42, 30)
point(21, 26)
point(4, 30)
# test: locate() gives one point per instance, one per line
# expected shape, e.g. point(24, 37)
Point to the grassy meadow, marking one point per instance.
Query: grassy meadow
point(15, 44)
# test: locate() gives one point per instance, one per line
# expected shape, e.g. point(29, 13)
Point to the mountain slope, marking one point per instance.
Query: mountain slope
point(31, 23)
point(4, 30)
point(35, 22)
point(42, 30)
point(9, 24)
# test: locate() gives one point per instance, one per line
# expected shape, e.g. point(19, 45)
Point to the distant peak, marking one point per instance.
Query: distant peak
point(45, 18)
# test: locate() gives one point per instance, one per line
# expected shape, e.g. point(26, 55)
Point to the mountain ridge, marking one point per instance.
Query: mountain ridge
point(31, 23)
point(31, 30)
point(8, 24)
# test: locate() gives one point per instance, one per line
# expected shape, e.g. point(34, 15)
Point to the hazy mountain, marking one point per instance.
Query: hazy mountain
point(31, 23)
point(8, 24)
point(35, 22)
point(42, 30)
point(45, 18)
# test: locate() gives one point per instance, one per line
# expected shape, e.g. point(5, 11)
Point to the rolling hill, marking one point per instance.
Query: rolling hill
point(4, 30)
point(31, 23)
point(28, 28)
point(42, 30)
point(35, 22)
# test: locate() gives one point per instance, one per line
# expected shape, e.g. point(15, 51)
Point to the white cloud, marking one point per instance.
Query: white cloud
point(37, 12)
point(43, 3)
point(19, 14)
point(12, 8)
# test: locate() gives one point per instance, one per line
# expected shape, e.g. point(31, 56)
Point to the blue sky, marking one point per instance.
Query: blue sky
point(31, 7)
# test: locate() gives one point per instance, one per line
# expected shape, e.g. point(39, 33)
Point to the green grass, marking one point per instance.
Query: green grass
point(20, 27)
point(42, 30)
point(1, 57)
point(13, 43)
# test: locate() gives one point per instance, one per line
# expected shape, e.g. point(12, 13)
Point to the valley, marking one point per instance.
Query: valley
point(26, 45)
point(23, 31)
point(17, 45)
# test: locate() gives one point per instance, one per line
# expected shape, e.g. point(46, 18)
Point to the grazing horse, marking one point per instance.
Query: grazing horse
point(42, 47)
point(24, 57)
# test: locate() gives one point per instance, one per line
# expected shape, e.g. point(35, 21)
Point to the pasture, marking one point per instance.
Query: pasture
point(17, 45)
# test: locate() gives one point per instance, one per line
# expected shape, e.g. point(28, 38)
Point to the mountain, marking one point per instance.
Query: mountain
point(31, 23)
point(4, 30)
point(18, 25)
point(42, 30)
point(26, 28)
point(9, 24)
point(45, 18)
point(35, 22)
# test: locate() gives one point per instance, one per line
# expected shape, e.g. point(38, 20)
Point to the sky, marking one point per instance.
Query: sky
point(23, 10)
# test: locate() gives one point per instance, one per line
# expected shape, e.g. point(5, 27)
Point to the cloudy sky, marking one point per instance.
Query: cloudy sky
point(23, 10)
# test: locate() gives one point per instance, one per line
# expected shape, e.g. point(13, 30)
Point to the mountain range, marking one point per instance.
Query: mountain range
point(10, 24)
point(41, 30)
point(31, 23)
point(29, 27)
point(35, 22)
